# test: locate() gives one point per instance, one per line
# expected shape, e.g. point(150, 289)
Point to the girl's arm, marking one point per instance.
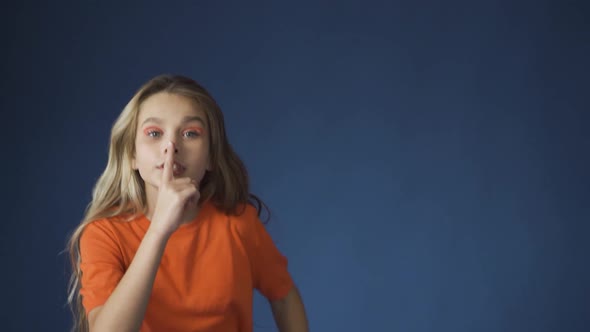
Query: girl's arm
point(125, 307)
point(289, 313)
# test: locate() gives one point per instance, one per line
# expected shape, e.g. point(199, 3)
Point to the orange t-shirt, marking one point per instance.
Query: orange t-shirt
point(207, 274)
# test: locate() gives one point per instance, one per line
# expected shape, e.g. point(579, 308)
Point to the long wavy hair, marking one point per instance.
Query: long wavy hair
point(120, 191)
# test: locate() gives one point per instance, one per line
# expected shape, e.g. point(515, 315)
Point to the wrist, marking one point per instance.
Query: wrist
point(157, 234)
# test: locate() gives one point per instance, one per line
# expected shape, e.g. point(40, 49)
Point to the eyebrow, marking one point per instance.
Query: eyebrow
point(185, 120)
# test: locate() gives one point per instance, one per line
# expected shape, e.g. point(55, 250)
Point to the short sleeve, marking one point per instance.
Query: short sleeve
point(269, 266)
point(101, 264)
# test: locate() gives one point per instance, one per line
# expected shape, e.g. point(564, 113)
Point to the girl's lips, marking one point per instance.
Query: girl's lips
point(177, 168)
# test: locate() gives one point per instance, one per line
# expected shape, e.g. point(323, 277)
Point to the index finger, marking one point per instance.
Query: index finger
point(167, 174)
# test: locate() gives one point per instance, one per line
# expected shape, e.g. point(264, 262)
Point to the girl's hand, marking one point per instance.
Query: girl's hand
point(173, 197)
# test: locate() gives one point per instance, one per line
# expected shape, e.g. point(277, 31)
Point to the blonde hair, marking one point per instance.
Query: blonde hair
point(120, 191)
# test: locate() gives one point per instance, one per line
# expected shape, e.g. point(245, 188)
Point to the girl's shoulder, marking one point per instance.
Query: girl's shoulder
point(111, 232)
point(246, 221)
point(116, 223)
point(244, 214)
point(116, 219)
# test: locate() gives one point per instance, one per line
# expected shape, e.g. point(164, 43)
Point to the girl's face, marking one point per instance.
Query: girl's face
point(165, 117)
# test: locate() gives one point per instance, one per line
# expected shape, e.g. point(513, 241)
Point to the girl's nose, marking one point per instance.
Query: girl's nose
point(174, 147)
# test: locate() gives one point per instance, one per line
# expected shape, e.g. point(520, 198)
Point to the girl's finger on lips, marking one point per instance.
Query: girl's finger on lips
point(167, 173)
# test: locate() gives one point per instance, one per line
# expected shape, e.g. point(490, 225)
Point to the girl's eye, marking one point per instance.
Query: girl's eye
point(153, 133)
point(191, 133)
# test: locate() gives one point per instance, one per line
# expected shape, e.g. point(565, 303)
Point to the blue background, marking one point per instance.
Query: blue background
point(426, 162)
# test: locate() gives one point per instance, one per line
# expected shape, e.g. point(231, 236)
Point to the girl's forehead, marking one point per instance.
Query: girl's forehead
point(166, 105)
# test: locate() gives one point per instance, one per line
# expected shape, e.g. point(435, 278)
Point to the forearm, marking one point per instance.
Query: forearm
point(289, 313)
point(125, 308)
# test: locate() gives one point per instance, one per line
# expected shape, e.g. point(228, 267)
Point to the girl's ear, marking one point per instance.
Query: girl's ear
point(133, 164)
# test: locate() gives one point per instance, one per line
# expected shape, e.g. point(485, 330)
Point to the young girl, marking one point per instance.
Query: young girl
point(172, 240)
